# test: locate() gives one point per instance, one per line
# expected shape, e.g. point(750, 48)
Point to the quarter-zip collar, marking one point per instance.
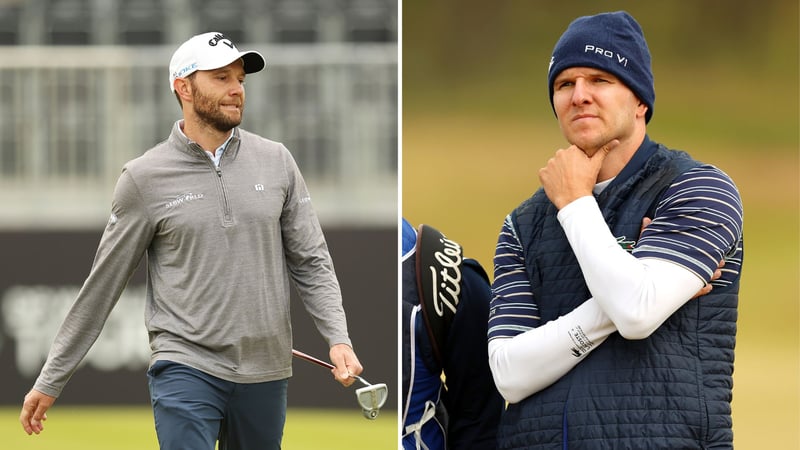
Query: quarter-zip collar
point(179, 140)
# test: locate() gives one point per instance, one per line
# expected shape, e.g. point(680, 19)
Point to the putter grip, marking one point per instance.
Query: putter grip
point(309, 358)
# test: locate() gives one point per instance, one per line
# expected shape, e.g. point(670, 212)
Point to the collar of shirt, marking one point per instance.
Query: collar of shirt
point(599, 187)
point(217, 155)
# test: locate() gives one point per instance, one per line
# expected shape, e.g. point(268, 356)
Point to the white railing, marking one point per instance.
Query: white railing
point(70, 117)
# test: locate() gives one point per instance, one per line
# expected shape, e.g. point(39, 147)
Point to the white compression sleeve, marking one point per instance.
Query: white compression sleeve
point(638, 295)
point(531, 361)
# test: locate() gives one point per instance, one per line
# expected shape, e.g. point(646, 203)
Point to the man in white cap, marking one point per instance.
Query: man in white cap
point(226, 222)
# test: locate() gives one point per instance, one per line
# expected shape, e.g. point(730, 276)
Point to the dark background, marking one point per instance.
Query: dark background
point(365, 263)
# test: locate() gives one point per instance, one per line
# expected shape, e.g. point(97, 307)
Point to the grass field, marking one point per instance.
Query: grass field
point(131, 428)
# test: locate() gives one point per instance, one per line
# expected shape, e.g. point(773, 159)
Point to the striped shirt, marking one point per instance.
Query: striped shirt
point(697, 223)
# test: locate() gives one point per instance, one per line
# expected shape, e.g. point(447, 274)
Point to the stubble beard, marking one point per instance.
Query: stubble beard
point(208, 111)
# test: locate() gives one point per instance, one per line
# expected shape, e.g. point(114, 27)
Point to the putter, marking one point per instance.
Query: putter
point(370, 397)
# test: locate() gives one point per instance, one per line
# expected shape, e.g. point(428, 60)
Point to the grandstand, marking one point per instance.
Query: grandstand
point(83, 88)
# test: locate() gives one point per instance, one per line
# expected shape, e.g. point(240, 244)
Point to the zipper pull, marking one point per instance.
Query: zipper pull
point(219, 171)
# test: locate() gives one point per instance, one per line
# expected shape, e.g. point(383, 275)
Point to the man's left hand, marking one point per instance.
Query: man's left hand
point(346, 362)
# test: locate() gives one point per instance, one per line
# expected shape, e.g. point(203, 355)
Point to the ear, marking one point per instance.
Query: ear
point(183, 88)
point(641, 110)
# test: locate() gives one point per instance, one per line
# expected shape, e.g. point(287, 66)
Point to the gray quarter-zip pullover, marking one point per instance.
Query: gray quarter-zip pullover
point(222, 245)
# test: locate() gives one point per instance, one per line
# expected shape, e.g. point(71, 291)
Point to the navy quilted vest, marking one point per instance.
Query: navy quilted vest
point(669, 391)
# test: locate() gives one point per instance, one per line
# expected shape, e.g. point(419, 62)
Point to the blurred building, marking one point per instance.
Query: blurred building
point(83, 89)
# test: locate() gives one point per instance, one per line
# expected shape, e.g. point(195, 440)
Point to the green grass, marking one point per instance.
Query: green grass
point(131, 428)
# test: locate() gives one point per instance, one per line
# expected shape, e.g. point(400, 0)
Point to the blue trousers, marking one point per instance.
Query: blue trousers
point(194, 410)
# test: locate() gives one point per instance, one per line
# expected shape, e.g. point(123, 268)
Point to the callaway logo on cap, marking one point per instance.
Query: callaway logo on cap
point(209, 51)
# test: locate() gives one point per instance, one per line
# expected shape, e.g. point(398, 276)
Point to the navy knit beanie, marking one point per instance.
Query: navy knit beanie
point(613, 42)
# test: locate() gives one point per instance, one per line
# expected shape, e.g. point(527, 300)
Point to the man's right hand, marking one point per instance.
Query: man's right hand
point(34, 411)
point(571, 173)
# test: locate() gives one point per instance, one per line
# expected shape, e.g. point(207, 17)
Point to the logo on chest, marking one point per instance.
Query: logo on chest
point(626, 244)
point(183, 199)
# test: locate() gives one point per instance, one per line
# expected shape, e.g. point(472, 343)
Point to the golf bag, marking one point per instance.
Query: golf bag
point(449, 397)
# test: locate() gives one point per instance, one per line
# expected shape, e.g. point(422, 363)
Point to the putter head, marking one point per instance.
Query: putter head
point(371, 398)
point(370, 414)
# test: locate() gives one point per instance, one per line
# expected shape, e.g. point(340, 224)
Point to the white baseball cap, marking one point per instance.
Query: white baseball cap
point(209, 51)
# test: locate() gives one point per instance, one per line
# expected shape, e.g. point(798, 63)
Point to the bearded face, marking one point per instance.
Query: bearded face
point(222, 113)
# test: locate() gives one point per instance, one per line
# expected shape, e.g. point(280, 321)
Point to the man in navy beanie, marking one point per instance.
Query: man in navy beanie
point(613, 318)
